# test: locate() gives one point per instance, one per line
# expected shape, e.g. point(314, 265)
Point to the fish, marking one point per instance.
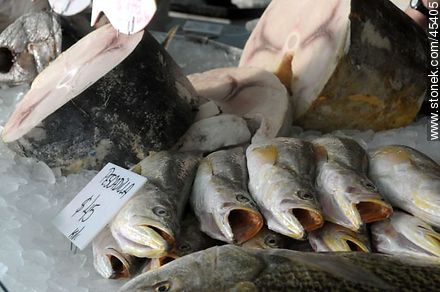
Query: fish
point(333, 57)
point(108, 259)
point(404, 234)
point(189, 240)
point(281, 175)
point(266, 238)
point(214, 133)
point(233, 268)
point(253, 94)
point(149, 223)
point(109, 97)
point(335, 238)
point(27, 46)
point(347, 196)
point(409, 179)
point(220, 198)
point(10, 10)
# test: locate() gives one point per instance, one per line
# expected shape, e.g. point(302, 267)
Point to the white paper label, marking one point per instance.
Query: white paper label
point(96, 205)
point(69, 7)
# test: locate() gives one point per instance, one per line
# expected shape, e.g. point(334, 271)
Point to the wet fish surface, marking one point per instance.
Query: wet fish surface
point(148, 225)
point(347, 196)
point(220, 198)
point(232, 268)
point(108, 259)
point(27, 46)
point(281, 175)
point(403, 234)
point(409, 179)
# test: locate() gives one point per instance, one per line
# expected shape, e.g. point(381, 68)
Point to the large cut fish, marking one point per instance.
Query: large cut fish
point(281, 174)
point(409, 180)
point(332, 238)
point(403, 234)
point(232, 268)
point(147, 226)
point(220, 198)
point(343, 61)
point(255, 94)
point(347, 196)
point(27, 46)
point(82, 112)
point(108, 259)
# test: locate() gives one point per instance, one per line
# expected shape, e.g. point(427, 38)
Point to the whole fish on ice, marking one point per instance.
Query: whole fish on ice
point(27, 46)
point(266, 238)
point(346, 194)
point(408, 179)
point(403, 234)
point(281, 175)
point(148, 224)
point(232, 268)
point(220, 198)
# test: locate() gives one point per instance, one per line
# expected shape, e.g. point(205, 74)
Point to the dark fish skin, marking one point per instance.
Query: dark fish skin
point(142, 105)
point(232, 268)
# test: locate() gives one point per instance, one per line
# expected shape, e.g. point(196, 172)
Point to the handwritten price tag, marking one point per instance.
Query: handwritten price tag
point(69, 7)
point(96, 205)
point(126, 16)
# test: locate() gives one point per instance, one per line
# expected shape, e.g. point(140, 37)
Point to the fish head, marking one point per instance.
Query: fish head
point(348, 197)
point(215, 269)
point(336, 238)
point(112, 264)
point(266, 239)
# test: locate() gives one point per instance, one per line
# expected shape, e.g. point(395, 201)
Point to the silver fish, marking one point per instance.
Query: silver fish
point(409, 179)
point(403, 234)
point(108, 259)
point(232, 268)
point(347, 195)
point(10, 10)
point(281, 172)
point(332, 238)
point(27, 46)
point(147, 226)
point(266, 238)
point(220, 198)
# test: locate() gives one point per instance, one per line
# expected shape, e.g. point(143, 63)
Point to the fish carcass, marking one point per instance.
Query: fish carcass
point(408, 179)
point(281, 175)
point(220, 198)
point(82, 112)
point(348, 64)
point(403, 234)
point(332, 238)
point(108, 259)
point(27, 46)
point(232, 268)
point(346, 194)
point(149, 223)
point(254, 94)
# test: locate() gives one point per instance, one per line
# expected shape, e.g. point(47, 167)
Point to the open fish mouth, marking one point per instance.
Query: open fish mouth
point(240, 224)
point(309, 219)
point(297, 221)
point(374, 210)
point(114, 265)
point(353, 244)
point(156, 263)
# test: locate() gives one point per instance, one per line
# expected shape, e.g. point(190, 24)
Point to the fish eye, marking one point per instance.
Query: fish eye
point(271, 241)
point(184, 247)
point(369, 185)
point(242, 199)
point(162, 286)
point(161, 212)
point(304, 195)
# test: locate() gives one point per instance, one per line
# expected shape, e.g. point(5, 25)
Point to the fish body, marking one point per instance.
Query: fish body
point(108, 259)
point(347, 196)
point(335, 238)
point(220, 198)
point(27, 46)
point(109, 97)
point(232, 268)
point(148, 225)
point(403, 234)
point(409, 180)
point(281, 174)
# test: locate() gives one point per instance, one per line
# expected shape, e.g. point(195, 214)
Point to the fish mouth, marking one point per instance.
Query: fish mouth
point(156, 263)
point(352, 244)
point(145, 240)
point(113, 265)
point(240, 224)
point(6, 60)
point(372, 211)
point(309, 219)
